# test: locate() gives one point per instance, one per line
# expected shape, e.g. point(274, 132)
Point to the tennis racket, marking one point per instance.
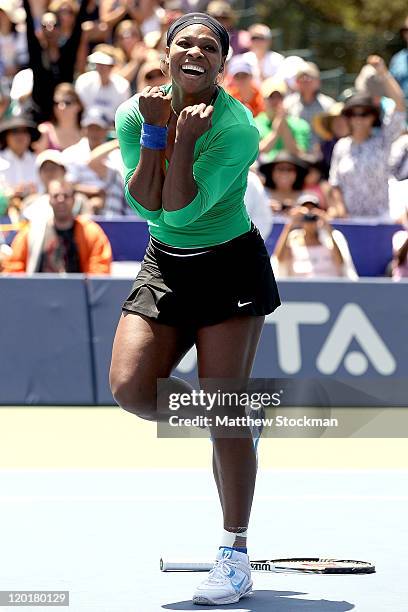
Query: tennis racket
point(302, 565)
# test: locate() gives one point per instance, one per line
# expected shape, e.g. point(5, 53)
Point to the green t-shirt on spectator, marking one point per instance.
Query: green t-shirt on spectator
point(300, 130)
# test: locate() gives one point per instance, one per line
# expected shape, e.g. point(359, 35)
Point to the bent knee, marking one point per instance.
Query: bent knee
point(132, 398)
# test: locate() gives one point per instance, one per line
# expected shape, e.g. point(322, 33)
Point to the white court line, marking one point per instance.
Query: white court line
point(191, 498)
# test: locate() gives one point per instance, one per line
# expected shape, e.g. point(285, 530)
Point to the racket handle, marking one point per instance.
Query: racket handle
point(184, 566)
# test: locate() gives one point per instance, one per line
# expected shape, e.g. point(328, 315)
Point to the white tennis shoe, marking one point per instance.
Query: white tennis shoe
point(228, 581)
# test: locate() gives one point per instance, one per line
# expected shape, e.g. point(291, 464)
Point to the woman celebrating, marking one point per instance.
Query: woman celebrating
point(206, 277)
point(359, 169)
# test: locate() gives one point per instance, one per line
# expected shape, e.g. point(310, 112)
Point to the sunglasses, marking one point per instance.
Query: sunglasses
point(21, 130)
point(257, 37)
point(365, 113)
point(62, 194)
point(67, 102)
point(155, 74)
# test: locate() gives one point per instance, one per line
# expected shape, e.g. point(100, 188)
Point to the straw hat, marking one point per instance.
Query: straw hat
point(271, 85)
point(322, 122)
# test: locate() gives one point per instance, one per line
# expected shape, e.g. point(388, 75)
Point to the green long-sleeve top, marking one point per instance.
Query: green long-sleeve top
point(222, 156)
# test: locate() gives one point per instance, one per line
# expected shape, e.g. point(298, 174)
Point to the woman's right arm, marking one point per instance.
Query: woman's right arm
point(144, 167)
point(33, 44)
point(337, 206)
point(111, 14)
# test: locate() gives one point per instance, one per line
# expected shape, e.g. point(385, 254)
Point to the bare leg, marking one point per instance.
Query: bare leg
point(143, 351)
point(227, 350)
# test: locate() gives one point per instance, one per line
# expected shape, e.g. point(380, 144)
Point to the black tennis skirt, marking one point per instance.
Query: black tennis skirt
point(196, 287)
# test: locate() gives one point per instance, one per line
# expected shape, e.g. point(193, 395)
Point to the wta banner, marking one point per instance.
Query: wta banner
point(352, 332)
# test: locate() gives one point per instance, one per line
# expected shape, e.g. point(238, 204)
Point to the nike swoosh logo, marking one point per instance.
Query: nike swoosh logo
point(240, 304)
point(238, 585)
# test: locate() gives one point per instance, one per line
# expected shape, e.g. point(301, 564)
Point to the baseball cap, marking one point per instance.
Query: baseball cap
point(239, 64)
point(261, 30)
point(101, 58)
point(50, 155)
point(95, 116)
point(309, 69)
point(308, 198)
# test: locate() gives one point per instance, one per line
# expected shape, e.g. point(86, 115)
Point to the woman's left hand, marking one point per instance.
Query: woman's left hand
point(378, 63)
point(193, 121)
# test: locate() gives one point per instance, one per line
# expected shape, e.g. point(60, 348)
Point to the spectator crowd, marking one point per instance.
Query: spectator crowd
point(66, 66)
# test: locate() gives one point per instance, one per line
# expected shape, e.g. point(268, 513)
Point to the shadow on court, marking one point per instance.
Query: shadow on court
point(271, 601)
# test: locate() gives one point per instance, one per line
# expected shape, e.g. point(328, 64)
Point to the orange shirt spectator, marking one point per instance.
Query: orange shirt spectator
point(240, 84)
point(65, 243)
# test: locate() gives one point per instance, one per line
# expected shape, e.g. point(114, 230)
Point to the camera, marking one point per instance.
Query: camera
point(309, 217)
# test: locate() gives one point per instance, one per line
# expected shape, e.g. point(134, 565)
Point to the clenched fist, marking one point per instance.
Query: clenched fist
point(193, 121)
point(155, 106)
point(378, 63)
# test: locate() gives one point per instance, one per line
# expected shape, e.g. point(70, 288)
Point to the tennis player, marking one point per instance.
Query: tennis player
point(206, 276)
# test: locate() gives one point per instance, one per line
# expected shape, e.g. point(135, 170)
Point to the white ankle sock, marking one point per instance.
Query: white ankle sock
point(228, 537)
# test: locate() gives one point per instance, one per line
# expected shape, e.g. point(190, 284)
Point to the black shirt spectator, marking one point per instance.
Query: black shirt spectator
point(51, 64)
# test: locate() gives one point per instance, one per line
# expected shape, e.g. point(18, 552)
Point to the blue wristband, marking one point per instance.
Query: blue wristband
point(153, 136)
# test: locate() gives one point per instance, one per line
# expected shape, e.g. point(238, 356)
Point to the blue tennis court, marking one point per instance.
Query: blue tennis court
point(99, 534)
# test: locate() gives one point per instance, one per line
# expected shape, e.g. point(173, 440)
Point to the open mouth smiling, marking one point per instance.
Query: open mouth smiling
point(192, 70)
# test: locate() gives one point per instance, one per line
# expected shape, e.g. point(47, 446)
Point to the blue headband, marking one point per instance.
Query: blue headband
point(202, 18)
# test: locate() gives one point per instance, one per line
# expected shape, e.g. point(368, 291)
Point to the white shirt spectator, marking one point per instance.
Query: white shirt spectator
point(361, 170)
point(114, 160)
point(77, 154)
point(76, 159)
point(18, 170)
point(296, 107)
point(265, 68)
point(92, 93)
point(256, 202)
